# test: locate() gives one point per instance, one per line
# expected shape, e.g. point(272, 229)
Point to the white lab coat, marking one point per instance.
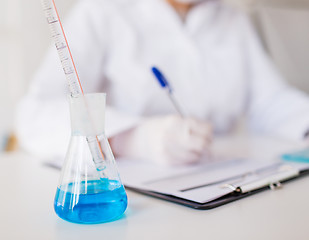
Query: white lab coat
point(214, 62)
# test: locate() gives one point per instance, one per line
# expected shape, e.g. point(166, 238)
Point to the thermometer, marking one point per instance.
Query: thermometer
point(70, 71)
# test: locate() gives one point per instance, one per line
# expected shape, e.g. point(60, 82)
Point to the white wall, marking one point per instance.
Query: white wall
point(284, 27)
point(286, 36)
point(10, 59)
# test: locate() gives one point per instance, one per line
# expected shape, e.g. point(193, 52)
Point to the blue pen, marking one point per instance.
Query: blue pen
point(165, 85)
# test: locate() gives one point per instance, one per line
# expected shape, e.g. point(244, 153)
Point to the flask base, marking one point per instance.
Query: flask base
point(91, 202)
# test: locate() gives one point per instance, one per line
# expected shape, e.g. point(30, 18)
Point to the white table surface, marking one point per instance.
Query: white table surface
point(28, 189)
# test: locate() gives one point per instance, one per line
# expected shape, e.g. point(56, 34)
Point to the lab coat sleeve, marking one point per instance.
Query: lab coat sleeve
point(275, 107)
point(43, 125)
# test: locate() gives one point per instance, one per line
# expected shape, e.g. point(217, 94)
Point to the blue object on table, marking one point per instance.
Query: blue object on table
point(95, 201)
point(298, 156)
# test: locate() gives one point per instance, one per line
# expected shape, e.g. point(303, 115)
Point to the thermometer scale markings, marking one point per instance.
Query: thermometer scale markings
point(62, 47)
point(69, 68)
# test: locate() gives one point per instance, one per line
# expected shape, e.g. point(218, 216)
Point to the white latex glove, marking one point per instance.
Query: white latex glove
point(169, 140)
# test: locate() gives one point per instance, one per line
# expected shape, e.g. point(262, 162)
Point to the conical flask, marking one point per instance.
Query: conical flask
point(89, 191)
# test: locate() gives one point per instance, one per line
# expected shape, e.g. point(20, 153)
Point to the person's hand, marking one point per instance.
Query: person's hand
point(169, 140)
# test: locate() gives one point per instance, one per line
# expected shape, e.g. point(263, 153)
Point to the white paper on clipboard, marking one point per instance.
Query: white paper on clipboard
point(205, 182)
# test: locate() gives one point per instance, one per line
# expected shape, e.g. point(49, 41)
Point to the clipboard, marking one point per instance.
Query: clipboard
point(251, 178)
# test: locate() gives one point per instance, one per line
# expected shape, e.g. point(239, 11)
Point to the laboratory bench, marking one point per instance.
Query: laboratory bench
point(28, 188)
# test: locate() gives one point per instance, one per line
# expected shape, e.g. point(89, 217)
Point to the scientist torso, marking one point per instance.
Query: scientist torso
point(212, 58)
point(115, 44)
point(200, 55)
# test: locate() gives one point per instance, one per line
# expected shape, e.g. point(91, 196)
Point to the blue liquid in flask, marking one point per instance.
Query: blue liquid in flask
point(97, 201)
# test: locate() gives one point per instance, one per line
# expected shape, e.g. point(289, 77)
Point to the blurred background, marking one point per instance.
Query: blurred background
point(24, 38)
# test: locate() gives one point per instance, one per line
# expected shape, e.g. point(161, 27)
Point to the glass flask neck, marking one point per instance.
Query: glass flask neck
point(87, 114)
